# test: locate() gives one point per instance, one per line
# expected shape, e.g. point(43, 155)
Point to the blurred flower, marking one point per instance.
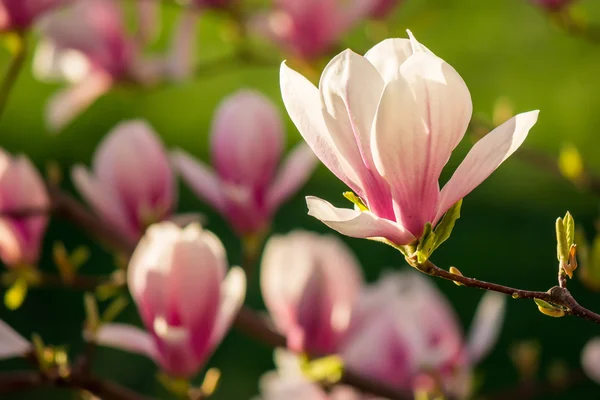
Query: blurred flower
point(20, 14)
point(309, 284)
point(87, 45)
point(11, 343)
point(21, 189)
point(307, 29)
point(383, 8)
point(247, 141)
point(288, 382)
point(552, 5)
point(405, 333)
point(132, 184)
point(178, 279)
point(590, 359)
point(386, 124)
point(214, 3)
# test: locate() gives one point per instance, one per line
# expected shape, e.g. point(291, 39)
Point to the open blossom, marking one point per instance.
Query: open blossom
point(20, 14)
point(131, 184)
point(404, 331)
point(186, 298)
point(309, 284)
point(246, 142)
point(309, 28)
point(386, 124)
point(12, 344)
point(87, 44)
point(21, 188)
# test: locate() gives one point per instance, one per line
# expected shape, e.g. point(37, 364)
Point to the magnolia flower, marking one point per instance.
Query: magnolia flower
point(21, 188)
point(20, 14)
point(288, 382)
point(247, 141)
point(12, 344)
point(590, 359)
point(385, 124)
point(382, 8)
point(187, 300)
point(132, 184)
point(309, 284)
point(87, 45)
point(309, 28)
point(403, 330)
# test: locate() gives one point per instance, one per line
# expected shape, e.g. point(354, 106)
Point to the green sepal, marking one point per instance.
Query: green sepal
point(444, 228)
point(357, 201)
point(426, 244)
point(16, 293)
point(549, 309)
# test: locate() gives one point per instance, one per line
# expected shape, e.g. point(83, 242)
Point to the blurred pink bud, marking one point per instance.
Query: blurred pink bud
point(404, 330)
point(552, 5)
point(383, 8)
point(247, 142)
point(590, 359)
point(11, 343)
point(309, 284)
point(87, 45)
point(187, 300)
point(366, 115)
point(132, 184)
point(20, 14)
point(21, 188)
point(307, 29)
point(221, 4)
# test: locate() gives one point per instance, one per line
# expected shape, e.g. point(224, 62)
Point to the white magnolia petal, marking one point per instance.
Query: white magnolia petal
point(486, 325)
point(483, 159)
point(12, 344)
point(200, 178)
point(303, 104)
point(295, 171)
point(357, 224)
point(127, 337)
point(590, 359)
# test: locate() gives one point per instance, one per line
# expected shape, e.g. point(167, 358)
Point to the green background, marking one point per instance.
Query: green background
point(502, 48)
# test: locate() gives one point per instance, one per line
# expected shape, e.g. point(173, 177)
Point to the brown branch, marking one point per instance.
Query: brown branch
point(557, 295)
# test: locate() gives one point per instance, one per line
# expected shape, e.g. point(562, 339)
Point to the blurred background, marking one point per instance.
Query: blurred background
point(503, 49)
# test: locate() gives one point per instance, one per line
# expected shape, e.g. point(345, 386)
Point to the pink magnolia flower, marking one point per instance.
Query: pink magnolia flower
point(20, 14)
point(132, 183)
point(187, 300)
point(307, 29)
point(403, 330)
point(214, 3)
point(552, 5)
point(247, 141)
point(590, 359)
point(386, 124)
point(383, 8)
point(12, 344)
point(87, 45)
point(21, 188)
point(309, 284)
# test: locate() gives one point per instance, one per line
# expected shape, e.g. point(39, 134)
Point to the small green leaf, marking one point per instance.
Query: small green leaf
point(426, 243)
point(549, 309)
point(177, 386)
point(62, 261)
point(16, 294)
point(569, 224)
point(92, 319)
point(444, 228)
point(570, 163)
point(79, 256)
point(114, 309)
point(357, 201)
point(562, 248)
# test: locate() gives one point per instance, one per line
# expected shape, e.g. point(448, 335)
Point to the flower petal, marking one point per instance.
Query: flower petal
point(483, 159)
point(180, 58)
point(590, 359)
point(302, 101)
point(128, 338)
point(200, 178)
point(233, 293)
point(486, 326)
point(68, 103)
point(356, 223)
point(295, 171)
point(12, 344)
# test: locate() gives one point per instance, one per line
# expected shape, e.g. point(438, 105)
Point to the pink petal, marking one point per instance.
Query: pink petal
point(148, 13)
point(486, 326)
point(421, 118)
point(67, 104)
point(180, 59)
point(356, 223)
point(303, 104)
point(200, 178)
point(12, 344)
point(127, 337)
point(590, 359)
point(483, 159)
point(295, 171)
point(233, 293)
